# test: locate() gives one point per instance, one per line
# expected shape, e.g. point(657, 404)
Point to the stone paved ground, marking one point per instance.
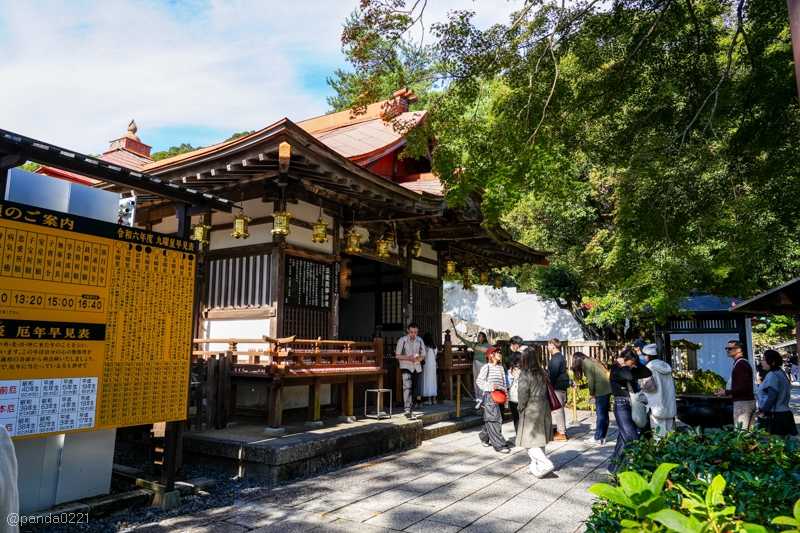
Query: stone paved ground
point(450, 483)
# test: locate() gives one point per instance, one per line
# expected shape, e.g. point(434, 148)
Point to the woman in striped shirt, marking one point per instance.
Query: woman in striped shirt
point(492, 377)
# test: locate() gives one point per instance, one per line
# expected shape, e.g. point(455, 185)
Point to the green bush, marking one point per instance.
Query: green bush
point(703, 382)
point(762, 475)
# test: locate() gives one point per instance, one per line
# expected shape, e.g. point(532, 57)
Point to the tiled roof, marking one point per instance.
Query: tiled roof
point(126, 159)
point(428, 183)
point(361, 139)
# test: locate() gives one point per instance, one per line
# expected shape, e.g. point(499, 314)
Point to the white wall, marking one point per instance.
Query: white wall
point(505, 309)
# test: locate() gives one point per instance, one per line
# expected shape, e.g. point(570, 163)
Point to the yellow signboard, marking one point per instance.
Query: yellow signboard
point(95, 323)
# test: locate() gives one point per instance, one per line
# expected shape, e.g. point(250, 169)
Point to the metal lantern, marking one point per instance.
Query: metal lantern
point(353, 242)
point(498, 282)
point(200, 233)
point(382, 248)
point(484, 278)
point(467, 284)
point(416, 247)
point(240, 222)
point(320, 231)
point(281, 223)
point(451, 268)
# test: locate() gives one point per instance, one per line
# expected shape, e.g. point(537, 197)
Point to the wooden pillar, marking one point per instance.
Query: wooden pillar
point(314, 392)
point(379, 359)
point(448, 363)
point(408, 289)
point(347, 403)
point(337, 268)
point(275, 405)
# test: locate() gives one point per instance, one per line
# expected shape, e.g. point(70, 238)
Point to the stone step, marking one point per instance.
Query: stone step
point(445, 427)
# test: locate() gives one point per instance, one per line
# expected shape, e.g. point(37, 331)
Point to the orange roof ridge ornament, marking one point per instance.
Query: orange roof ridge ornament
point(402, 101)
point(132, 129)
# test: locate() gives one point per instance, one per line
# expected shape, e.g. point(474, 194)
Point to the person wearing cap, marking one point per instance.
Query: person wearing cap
point(740, 387)
point(638, 346)
point(493, 379)
point(660, 391)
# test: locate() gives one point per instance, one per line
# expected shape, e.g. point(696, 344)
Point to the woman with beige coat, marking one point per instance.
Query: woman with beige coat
point(535, 421)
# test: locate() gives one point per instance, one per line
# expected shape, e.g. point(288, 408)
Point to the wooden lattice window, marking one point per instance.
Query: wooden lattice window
point(391, 307)
point(236, 282)
point(428, 310)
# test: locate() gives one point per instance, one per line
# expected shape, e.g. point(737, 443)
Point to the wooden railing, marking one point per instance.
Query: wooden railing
point(297, 362)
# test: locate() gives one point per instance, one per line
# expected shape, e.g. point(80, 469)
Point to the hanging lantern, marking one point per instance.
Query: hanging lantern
point(416, 247)
point(484, 278)
point(281, 223)
point(498, 282)
point(382, 248)
point(353, 242)
point(200, 233)
point(451, 268)
point(467, 283)
point(240, 222)
point(320, 231)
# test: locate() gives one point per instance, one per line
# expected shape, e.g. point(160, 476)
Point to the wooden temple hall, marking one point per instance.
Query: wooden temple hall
point(335, 246)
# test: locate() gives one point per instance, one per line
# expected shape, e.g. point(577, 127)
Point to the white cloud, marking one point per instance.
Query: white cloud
point(75, 72)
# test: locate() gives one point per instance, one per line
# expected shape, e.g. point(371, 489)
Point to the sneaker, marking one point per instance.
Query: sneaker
point(592, 440)
point(513, 440)
point(478, 404)
point(407, 413)
point(434, 402)
point(427, 402)
point(540, 472)
point(485, 444)
point(504, 450)
point(560, 436)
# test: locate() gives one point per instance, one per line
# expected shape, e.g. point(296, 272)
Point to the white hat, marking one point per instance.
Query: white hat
point(650, 349)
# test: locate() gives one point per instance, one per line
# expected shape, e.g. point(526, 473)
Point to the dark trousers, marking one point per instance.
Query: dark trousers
point(601, 408)
point(410, 380)
point(492, 431)
point(628, 432)
point(514, 406)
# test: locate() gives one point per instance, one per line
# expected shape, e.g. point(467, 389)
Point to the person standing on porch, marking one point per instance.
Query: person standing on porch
point(479, 359)
point(429, 370)
point(557, 372)
point(740, 387)
point(410, 352)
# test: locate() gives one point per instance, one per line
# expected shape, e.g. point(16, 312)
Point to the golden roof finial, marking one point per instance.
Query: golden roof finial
point(132, 129)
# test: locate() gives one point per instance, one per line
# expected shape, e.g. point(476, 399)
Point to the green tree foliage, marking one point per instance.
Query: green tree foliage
point(172, 152)
point(30, 166)
point(239, 135)
point(652, 144)
point(393, 63)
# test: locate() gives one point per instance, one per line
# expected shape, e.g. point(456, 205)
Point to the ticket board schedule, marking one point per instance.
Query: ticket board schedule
point(95, 323)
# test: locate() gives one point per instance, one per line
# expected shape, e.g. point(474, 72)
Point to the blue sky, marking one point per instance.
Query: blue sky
point(191, 71)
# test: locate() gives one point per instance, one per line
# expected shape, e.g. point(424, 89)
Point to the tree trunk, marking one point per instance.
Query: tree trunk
point(590, 331)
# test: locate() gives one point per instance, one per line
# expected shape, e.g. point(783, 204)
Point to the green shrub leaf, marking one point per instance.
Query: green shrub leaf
point(714, 493)
point(660, 476)
point(612, 493)
point(675, 521)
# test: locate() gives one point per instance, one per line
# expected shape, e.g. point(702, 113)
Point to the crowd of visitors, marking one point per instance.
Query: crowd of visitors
point(640, 382)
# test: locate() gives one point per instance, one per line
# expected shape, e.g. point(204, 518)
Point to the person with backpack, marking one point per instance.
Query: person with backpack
point(596, 375)
point(624, 376)
point(660, 392)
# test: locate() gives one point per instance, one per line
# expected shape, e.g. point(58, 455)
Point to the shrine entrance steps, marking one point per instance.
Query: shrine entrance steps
point(245, 451)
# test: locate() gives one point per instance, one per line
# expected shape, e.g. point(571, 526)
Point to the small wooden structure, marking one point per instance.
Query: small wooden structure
point(709, 315)
point(782, 300)
point(309, 363)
